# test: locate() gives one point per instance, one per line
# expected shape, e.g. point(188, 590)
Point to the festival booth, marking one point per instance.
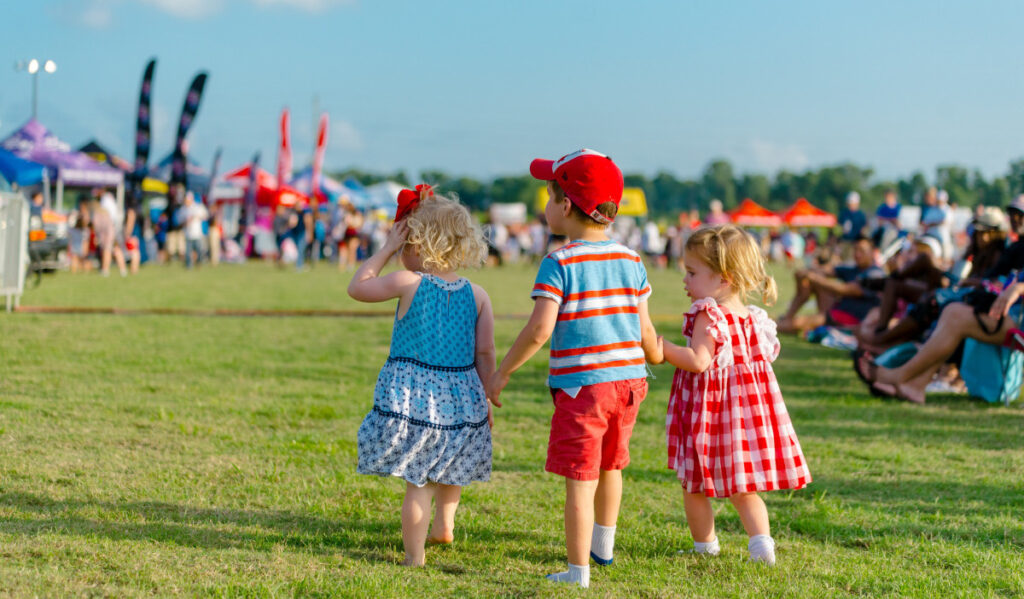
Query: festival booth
point(331, 189)
point(19, 172)
point(804, 214)
point(267, 192)
point(198, 177)
point(751, 214)
point(101, 154)
point(35, 143)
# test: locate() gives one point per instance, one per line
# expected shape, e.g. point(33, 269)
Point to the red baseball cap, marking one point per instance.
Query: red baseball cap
point(588, 178)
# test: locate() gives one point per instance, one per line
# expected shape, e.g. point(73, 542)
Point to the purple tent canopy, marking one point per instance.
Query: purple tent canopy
point(33, 142)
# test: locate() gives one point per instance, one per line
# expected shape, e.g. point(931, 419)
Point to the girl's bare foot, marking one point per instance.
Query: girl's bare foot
point(441, 539)
point(410, 562)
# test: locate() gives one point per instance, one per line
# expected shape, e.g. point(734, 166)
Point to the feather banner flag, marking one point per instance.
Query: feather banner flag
point(318, 159)
point(142, 137)
point(284, 153)
point(188, 115)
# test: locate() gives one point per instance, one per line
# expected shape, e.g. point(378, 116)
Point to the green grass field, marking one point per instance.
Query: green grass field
point(197, 455)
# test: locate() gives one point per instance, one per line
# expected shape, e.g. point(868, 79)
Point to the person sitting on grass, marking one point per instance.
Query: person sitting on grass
point(592, 295)
point(726, 406)
point(430, 422)
point(958, 322)
point(843, 293)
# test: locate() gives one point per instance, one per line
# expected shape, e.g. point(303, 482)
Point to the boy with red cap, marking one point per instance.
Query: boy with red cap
point(591, 295)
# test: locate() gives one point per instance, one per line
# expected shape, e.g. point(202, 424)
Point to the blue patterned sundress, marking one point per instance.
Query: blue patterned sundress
point(429, 417)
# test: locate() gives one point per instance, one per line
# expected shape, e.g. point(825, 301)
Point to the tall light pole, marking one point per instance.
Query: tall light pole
point(33, 67)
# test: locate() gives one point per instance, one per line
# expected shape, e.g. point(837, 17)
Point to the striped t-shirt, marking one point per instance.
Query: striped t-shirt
point(598, 286)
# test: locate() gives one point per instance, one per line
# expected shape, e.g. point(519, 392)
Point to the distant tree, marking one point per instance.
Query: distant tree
point(956, 181)
point(522, 188)
point(759, 189)
point(1015, 178)
point(718, 182)
point(911, 190)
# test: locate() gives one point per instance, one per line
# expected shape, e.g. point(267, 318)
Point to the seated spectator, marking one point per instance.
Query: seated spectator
point(958, 322)
point(919, 273)
point(843, 293)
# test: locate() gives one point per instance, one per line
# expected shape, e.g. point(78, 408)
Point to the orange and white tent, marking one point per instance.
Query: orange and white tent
point(804, 214)
point(751, 214)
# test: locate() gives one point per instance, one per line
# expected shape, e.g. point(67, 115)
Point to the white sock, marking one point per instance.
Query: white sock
point(576, 575)
point(709, 548)
point(762, 549)
point(602, 543)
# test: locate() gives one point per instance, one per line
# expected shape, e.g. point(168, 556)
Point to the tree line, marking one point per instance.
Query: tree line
point(668, 195)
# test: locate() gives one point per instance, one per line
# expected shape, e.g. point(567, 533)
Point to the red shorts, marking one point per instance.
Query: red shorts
point(590, 432)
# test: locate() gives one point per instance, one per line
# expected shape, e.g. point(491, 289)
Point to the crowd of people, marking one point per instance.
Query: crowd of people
point(908, 302)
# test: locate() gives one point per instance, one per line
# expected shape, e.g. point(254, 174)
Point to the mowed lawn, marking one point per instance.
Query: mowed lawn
point(213, 455)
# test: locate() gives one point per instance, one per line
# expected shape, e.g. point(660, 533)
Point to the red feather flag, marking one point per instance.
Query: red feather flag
point(284, 153)
point(318, 158)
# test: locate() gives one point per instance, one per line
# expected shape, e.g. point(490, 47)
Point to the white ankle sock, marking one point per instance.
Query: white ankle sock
point(709, 548)
point(762, 549)
point(602, 543)
point(576, 575)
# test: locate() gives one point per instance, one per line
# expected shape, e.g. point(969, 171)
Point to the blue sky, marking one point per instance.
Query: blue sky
point(479, 88)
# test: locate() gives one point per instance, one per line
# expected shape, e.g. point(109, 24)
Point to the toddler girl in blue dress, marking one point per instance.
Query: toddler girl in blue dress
point(430, 422)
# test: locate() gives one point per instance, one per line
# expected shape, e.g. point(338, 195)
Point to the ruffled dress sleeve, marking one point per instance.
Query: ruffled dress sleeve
point(767, 333)
point(718, 329)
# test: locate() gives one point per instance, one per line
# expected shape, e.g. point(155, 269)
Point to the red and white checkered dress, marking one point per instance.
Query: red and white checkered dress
point(728, 429)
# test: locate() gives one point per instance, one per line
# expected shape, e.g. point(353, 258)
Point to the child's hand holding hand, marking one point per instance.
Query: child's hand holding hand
point(658, 355)
point(494, 387)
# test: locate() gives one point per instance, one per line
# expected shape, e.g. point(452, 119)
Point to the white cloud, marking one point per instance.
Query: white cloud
point(771, 157)
point(94, 14)
point(187, 9)
point(344, 136)
point(313, 6)
point(99, 14)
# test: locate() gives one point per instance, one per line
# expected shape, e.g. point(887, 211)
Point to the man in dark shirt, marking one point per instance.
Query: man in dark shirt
point(842, 293)
point(852, 219)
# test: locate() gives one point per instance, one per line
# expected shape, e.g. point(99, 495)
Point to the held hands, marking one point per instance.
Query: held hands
point(494, 387)
point(657, 356)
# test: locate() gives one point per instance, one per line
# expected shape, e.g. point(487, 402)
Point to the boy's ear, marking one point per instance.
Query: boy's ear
point(566, 207)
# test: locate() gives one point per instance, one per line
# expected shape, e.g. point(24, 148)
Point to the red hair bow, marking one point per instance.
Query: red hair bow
point(409, 200)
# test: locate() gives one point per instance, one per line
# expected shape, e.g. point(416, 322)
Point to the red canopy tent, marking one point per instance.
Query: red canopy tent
point(751, 214)
point(804, 214)
point(267, 193)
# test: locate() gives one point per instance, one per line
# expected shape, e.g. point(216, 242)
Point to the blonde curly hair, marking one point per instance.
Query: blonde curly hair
point(446, 235)
point(732, 253)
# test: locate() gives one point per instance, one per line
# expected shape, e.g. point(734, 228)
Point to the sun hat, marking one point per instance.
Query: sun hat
point(991, 219)
point(932, 243)
point(1017, 204)
point(588, 179)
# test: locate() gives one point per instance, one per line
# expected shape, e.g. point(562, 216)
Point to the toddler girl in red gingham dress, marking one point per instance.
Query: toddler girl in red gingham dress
point(729, 434)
